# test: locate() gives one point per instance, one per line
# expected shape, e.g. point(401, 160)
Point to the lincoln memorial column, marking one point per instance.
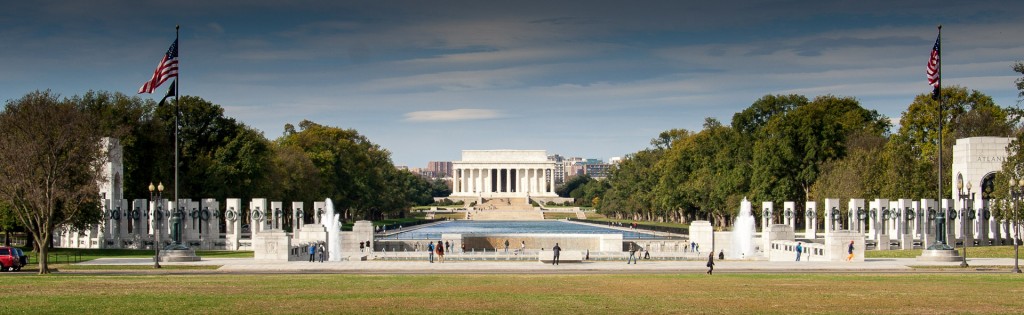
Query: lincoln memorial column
point(551, 180)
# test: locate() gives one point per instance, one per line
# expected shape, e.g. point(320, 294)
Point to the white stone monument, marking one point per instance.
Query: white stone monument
point(811, 222)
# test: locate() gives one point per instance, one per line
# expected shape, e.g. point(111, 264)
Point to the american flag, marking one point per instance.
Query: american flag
point(168, 68)
point(933, 65)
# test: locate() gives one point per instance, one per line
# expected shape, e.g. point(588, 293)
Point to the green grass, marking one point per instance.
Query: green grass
point(592, 216)
point(972, 252)
point(514, 294)
point(454, 216)
point(559, 215)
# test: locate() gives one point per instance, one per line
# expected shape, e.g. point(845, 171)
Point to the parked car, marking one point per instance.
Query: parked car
point(9, 260)
point(24, 258)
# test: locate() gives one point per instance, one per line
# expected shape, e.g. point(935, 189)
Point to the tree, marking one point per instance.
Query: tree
point(50, 157)
point(792, 147)
point(1019, 68)
point(147, 150)
point(965, 114)
point(572, 184)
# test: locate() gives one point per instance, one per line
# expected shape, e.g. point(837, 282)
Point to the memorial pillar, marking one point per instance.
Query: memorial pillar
point(833, 217)
point(233, 222)
point(928, 210)
point(856, 214)
point(811, 220)
point(906, 215)
point(789, 214)
point(948, 206)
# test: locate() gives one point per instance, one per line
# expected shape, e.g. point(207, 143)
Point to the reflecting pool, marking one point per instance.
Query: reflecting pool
point(478, 228)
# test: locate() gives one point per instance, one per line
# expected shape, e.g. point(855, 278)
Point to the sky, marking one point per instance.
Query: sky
point(427, 79)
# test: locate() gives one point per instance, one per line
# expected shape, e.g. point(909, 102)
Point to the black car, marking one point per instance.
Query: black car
point(22, 257)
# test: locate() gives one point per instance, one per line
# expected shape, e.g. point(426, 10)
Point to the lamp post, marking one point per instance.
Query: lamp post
point(1017, 193)
point(964, 213)
point(154, 197)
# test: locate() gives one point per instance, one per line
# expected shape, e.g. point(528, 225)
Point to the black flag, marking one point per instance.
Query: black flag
point(170, 92)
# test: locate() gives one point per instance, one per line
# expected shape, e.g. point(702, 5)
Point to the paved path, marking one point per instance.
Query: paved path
point(248, 265)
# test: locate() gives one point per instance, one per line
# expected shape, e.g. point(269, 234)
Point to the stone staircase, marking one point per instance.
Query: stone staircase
point(507, 209)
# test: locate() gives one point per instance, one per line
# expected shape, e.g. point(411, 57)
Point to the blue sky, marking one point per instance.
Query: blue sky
point(426, 79)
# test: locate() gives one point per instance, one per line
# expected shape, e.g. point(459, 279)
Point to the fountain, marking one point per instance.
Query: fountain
point(743, 232)
point(333, 226)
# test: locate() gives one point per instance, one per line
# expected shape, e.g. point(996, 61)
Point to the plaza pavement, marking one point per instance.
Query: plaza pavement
point(251, 266)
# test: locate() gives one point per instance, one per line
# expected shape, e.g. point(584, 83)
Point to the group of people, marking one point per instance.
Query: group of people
point(438, 249)
point(316, 248)
point(632, 253)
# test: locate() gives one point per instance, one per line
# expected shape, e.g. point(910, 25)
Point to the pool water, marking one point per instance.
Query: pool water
point(477, 228)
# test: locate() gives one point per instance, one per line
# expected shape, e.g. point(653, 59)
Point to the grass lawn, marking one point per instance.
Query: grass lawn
point(514, 294)
point(559, 215)
point(972, 252)
point(626, 222)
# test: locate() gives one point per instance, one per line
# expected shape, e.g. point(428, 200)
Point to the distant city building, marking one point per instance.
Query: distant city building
point(559, 172)
point(439, 169)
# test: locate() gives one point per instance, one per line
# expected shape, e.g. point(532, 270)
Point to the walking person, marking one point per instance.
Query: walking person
point(506, 246)
point(430, 248)
point(632, 254)
point(440, 252)
point(557, 250)
point(447, 246)
point(711, 263)
point(312, 251)
point(323, 252)
point(361, 247)
point(799, 250)
point(849, 250)
point(522, 248)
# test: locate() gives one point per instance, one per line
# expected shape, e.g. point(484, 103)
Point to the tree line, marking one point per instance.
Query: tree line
point(791, 148)
point(49, 159)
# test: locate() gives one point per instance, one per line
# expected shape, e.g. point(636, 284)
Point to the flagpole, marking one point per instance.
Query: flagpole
point(938, 97)
point(176, 114)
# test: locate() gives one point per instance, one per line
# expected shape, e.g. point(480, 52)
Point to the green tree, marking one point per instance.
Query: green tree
point(965, 114)
point(50, 158)
point(147, 151)
point(571, 185)
point(793, 146)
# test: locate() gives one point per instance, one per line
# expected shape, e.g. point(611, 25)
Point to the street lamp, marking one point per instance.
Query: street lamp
point(964, 213)
point(1017, 193)
point(155, 195)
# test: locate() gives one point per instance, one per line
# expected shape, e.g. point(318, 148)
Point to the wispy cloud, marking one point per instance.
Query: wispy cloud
point(453, 115)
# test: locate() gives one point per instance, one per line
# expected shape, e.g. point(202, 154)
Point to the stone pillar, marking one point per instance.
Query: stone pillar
point(233, 223)
point(508, 180)
point(298, 216)
point(906, 215)
point(811, 220)
point(857, 215)
point(928, 210)
point(789, 214)
point(210, 214)
point(914, 223)
point(319, 212)
point(983, 223)
point(139, 228)
point(276, 215)
point(877, 226)
point(833, 217)
point(892, 220)
point(258, 216)
point(124, 212)
point(767, 212)
point(968, 223)
point(948, 207)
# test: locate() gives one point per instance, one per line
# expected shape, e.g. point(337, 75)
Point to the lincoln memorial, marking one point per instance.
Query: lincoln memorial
point(503, 174)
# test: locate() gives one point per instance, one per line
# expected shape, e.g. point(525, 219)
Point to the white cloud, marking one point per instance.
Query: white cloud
point(453, 115)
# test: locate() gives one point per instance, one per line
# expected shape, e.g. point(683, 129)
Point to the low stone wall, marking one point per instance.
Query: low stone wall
point(565, 256)
point(786, 251)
